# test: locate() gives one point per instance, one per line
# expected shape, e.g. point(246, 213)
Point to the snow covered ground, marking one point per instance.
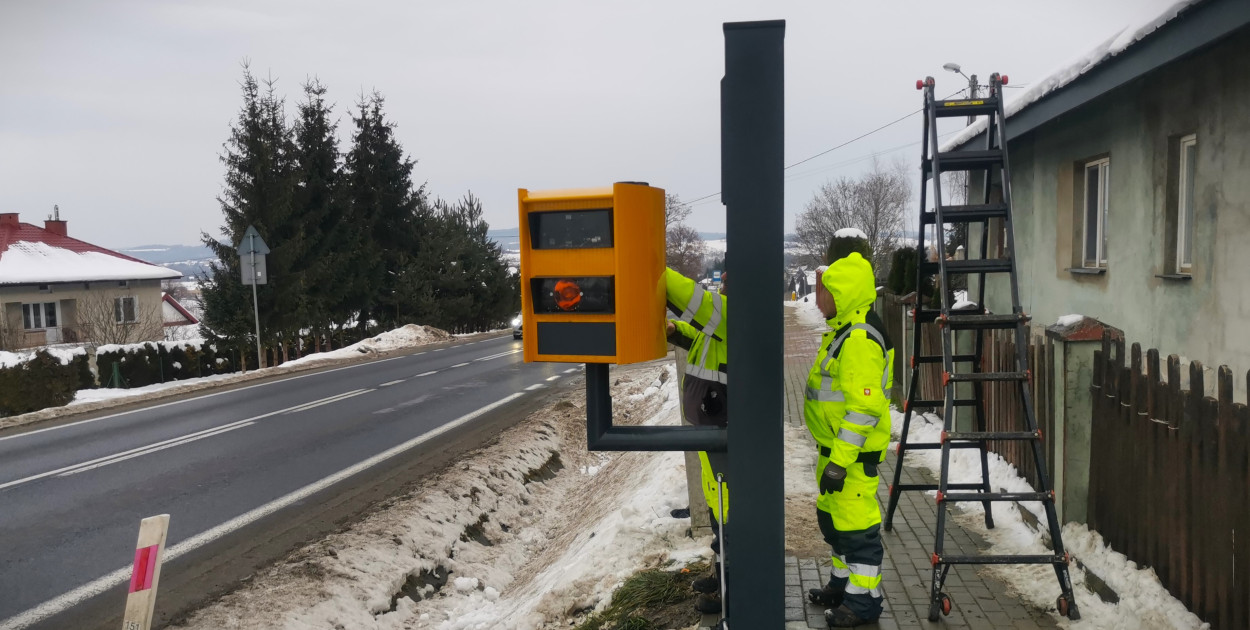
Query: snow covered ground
point(528, 533)
point(406, 337)
point(1144, 602)
point(808, 314)
point(64, 355)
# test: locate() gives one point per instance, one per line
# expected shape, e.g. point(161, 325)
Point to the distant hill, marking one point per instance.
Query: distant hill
point(190, 260)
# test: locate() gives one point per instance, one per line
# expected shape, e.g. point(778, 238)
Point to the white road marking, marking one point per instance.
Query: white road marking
point(496, 356)
point(534, 387)
point(426, 373)
point(459, 365)
point(552, 378)
point(153, 450)
point(439, 349)
point(186, 400)
point(120, 576)
point(332, 399)
point(156, 446)
point(570, 370)
point(395, 382)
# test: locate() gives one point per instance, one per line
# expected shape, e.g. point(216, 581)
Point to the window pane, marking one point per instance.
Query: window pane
point(117, 310)
point(128, 308)
point(26, 323)
point(1188, 161)
point(1091, 215)
point(1105, 182)
point(49, 314)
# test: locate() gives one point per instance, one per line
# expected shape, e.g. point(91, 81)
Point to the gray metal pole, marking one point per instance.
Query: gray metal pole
point(260, 361)
point(752, 145)
point(972, 94)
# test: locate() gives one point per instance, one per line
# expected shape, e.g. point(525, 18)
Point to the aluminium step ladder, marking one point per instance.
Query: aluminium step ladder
point(966, 368)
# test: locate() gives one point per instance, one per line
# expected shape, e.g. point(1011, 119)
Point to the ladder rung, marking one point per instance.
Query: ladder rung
point(994, 435)
point(959, 402)
point(967, 267)
point(966, 214)
point(1022, 559)
point(965, 107)
point(906, 487)
point(985, 322)
point(979, 377)
point(967, 160)
point(937, 358)
point(958, 497)
point(928, 446)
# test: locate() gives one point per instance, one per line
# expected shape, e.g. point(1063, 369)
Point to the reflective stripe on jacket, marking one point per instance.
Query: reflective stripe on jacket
point(846, 405)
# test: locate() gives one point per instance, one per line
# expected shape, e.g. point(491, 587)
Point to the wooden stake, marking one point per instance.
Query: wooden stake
point(146, 573)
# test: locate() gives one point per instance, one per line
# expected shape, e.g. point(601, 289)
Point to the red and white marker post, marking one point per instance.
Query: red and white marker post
point(146, 573)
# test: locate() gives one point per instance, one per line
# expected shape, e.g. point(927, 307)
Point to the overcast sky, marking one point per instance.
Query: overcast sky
point(117, 110)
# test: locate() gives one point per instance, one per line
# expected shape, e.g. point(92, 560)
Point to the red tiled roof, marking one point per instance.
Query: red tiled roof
point(12, 233)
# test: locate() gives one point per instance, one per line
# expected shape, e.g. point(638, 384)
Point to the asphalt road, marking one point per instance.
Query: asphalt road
point(246, 475)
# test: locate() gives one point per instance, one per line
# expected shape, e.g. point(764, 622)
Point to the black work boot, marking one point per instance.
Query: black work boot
point(826, 596)
point(842, 617)
point(709, 583)
point(708, 604)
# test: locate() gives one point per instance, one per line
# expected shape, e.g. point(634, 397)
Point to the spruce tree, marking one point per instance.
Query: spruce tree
point(318, 204)
point(388, 216)
point(258, 187)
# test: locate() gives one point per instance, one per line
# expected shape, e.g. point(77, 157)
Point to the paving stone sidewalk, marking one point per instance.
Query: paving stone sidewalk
point(979, 601)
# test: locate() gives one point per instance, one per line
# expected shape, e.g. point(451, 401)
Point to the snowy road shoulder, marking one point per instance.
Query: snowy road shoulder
point(527, 533)
point(85, 400)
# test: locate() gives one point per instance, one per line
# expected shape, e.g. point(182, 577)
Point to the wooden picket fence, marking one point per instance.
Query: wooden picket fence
point(1168, 477)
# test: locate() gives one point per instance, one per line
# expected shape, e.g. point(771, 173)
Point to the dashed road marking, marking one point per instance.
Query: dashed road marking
point(552, 378)
point(426, 373)
point(570, 370)
point(394, 382)
point(534, 387)
point(459, 365)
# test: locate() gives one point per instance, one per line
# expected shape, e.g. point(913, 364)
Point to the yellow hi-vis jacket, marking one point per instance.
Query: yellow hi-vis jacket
point(701, 331)
point(846, 406)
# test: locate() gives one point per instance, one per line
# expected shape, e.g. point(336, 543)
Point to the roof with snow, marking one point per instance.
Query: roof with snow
point(30, 254)
point(1181, 29)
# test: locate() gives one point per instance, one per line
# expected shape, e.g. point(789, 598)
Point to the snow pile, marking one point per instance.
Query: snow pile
point(1069, 320)
point(406, 337)
point(850, 233)
point(195, 343)
point(1069, 72)
point(30, 262)
point(511, 536)
point(962, 301)
point(64, 355)
point(807, 312)
point(107, 394)
point(1144, 602)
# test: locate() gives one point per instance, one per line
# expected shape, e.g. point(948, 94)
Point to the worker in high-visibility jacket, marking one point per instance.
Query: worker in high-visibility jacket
point(699, 328)
point(846, 408)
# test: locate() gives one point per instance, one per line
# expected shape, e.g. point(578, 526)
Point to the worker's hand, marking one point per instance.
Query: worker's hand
point(832, 479)
point(669, 328)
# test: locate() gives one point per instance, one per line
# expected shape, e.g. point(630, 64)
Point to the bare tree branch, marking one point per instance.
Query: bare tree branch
point(97, 319)
point(874, 203)
point(685, 250)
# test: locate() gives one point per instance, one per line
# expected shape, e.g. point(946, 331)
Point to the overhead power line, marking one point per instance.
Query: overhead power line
point(827, 151)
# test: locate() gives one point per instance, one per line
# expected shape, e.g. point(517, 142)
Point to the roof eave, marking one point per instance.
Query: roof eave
point(1201, 26)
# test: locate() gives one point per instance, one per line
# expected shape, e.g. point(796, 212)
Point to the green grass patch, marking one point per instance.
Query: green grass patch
point(652, 599)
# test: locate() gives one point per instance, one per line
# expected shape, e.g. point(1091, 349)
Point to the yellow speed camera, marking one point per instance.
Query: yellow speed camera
point(592, 274)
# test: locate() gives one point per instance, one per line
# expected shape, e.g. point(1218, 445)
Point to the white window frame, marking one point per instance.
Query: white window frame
point(1099, 260)
point(1184, 228)
point(119, 309)
point(37, 314)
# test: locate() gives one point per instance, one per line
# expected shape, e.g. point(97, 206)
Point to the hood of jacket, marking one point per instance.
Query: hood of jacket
point(854, 289)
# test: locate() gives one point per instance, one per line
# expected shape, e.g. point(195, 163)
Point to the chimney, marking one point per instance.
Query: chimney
point(54, 224)
point(8, 218)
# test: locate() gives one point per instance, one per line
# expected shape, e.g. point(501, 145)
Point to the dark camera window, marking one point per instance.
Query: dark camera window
point(571, 229)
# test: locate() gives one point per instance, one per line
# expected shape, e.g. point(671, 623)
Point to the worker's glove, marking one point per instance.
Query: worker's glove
point(832, 479)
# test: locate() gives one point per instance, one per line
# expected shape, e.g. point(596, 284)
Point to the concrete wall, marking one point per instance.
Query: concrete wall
point(76, 301)
point(1205, 317)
